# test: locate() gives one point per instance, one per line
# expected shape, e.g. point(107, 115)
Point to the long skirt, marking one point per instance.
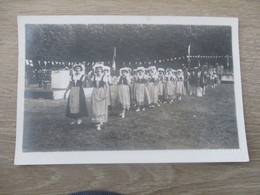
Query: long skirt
point(160, 86)
point(141, 94)
point(180, 90)
point(199, 91)
point(109, 96)
point(212, 81)
point(186, 87)
point(170, 88)
point(124, 96)
point(132, 98)
point(147, 98)
point(99, 105)
point(193, 89)
point(153, 92)
point(114, 96)
point(76, 106)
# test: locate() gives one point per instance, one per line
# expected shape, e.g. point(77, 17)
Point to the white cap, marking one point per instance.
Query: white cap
point(140, 68)
point(98, 64)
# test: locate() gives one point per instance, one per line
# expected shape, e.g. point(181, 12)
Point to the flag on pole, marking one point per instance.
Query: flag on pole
point(189, 47)
point(114, 59)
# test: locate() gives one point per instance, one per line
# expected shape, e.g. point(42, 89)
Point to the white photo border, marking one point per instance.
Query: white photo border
point(130, 156)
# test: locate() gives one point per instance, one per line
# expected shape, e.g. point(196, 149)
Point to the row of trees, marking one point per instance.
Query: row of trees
point(142, 43)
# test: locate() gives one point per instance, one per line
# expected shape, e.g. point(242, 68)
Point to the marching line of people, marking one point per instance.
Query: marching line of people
point(133, 89)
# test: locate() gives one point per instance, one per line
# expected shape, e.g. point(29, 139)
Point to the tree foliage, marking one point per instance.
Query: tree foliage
point(95, 42)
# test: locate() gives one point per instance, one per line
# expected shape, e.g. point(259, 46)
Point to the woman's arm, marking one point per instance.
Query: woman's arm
point(68, 88)
point(129, 81)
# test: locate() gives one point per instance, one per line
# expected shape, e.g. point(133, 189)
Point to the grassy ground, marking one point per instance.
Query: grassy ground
point(195, 123)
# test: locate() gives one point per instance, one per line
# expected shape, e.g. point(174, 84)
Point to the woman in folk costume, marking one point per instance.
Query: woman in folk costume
point(169, 86)
point(133, 78)
point(216, 79)
point(99, 96)
point(107, 74)
point(180, 90)
point(152, 81)
point(76, 106)
point(108, 80)
point(186, 76)
point(141, 92)
point(131, 86)
point(212, 78)
point(203, 81)
point(161, 81)
point(192, 82)
point(124, 90)
point(113, 88)
point(174, 81)
point(198, 84)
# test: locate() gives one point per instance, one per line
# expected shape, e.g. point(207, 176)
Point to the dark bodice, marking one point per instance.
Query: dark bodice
point(140, 80)
point(78, 83)
point(123, 81)
point(180, 78)
point(161, 78)
point(151, 79)
point(169, 78)
point(101, 82)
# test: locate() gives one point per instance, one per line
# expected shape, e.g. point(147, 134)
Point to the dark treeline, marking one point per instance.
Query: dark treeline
point(95, 42)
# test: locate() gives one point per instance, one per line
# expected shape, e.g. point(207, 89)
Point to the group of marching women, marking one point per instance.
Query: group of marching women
point(138, 89)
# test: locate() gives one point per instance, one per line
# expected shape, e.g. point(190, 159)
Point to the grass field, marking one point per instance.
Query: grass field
point(195, 123)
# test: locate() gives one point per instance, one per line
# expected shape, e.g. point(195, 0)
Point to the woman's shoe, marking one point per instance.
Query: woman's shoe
point(73, 122)
point(79, 121)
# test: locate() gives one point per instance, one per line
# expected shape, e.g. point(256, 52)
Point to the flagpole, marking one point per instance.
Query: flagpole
point(114, 58)
point(189, 60)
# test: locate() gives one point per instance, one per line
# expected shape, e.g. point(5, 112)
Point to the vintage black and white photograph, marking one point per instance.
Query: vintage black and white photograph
point(129, 89)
